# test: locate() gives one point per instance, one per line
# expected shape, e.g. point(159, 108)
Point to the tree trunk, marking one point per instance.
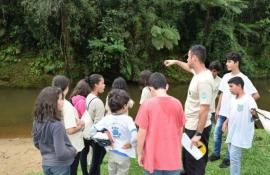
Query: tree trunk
point(65, 39)
point(207, 25)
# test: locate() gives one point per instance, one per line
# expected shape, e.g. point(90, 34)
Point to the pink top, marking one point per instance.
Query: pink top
point(78, 102)
point(162, 118)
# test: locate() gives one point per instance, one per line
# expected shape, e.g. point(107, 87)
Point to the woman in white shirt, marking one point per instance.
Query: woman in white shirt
point(96, 110)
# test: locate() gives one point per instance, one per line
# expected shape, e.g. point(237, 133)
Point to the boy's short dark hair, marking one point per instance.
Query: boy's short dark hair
point(199, 51)
point(236, 57)
point(157, 81)
point(237, 81)
point(60, 81)
point(117, 99)
point(215, 65)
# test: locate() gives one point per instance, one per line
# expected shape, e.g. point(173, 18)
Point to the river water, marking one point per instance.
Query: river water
point(16, 105)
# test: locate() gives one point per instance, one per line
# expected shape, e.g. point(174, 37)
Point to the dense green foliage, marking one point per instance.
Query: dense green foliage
point(112, 37)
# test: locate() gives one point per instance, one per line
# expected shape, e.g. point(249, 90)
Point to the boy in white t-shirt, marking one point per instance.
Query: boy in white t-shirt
point(222, 110)
point(123, 131)
point(215, 67)
point(240, 123)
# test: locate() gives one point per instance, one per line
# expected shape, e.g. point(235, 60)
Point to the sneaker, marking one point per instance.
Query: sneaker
point(213, 157)
point(225, 163)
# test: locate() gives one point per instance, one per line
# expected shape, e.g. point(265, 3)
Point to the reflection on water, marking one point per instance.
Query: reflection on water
point(17, 105)
point(16, 111)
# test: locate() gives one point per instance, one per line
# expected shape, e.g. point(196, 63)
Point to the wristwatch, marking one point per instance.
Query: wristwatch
point(197, 133)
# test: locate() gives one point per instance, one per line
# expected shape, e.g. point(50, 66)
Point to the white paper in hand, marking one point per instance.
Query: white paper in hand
point(194, 151)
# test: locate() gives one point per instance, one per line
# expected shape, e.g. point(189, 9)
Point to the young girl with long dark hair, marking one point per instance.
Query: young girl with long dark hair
point(49, 134)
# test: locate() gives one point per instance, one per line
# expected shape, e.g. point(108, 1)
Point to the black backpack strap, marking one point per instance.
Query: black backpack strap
point(87, 106)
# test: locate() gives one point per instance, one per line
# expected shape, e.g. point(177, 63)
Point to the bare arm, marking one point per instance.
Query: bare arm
point(181, 130)
point(225, 125)
point(256, 96)
point(73, 130)
point(140, 143)
point(218, 106)
point(181, 64)
point(203, 114)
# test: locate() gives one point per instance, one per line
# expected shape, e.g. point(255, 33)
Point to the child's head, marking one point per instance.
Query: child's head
point(96, 83)
point(118, 100)
point(157, 81)
point(82, 88)
point(215, 67)
point(144, 77)
point(236, 85)
point(120, 83)
point(233, 61)
point(61, 82)
point(49, 104)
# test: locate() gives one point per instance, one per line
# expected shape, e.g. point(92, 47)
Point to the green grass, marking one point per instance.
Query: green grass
point(255, 161)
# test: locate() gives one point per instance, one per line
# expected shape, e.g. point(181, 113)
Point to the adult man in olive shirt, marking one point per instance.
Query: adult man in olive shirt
point(199, 98)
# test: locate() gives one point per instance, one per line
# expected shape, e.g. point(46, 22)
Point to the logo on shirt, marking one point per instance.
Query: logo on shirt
point(115, 132)
point(203, 95)
point(240, 107)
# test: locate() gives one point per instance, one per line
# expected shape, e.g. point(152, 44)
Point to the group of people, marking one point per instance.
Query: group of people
point(63, 133)
point(235, 110)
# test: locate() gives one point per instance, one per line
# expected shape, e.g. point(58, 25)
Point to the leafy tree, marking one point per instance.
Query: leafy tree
point(115, 37)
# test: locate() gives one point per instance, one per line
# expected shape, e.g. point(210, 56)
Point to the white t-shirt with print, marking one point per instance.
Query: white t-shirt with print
point(70, 115)
point(121, 127)
point(241, 125)
point(227, 95)
point(200, 92)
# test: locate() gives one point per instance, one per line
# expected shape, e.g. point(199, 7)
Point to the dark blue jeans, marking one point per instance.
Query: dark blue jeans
point(218, 136)
point(74, 165)
point(162, 172)
point(56, 170)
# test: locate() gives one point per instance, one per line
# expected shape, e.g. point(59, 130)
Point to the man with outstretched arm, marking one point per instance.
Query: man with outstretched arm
point(199, 98)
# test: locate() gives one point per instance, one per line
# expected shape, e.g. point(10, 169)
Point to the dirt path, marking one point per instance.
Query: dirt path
point(19, 156)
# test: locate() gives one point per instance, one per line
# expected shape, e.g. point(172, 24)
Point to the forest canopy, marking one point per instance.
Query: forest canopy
point(123, 37)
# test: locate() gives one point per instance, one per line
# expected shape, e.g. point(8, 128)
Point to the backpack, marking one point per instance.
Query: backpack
point(103, 138)
point(88, 120)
